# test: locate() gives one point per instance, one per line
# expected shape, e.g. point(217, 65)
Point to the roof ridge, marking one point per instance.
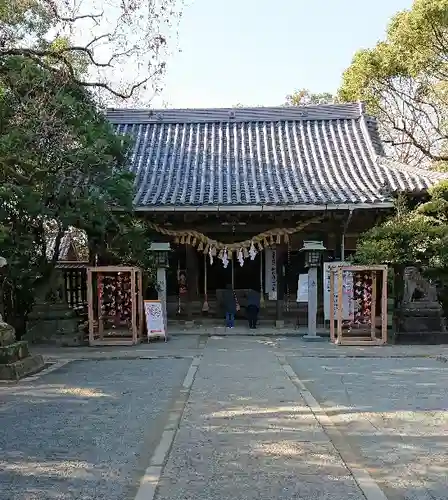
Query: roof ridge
point(358, 104)
point(231, 115)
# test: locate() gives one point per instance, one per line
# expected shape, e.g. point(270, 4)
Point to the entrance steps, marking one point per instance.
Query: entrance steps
point(293, 313)
point(211, 327)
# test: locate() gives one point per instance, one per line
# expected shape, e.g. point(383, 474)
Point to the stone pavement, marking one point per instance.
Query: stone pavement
point(229, 418)
point(246, 433)
point(393, 412)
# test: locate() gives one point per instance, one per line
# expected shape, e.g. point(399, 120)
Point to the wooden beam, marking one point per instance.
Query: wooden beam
point(332, 333)
point(112, 269)
point(99, 305)
point(340, 302)
point(365, 268)
point(384, 308)
point(90, 312)
point(141, 311)
point(373, 308)
point(134, 307)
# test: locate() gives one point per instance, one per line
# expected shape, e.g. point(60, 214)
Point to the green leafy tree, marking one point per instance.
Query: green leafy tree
point(416, 236)
point(61, 166)
point(404, 81)
point(304, 97)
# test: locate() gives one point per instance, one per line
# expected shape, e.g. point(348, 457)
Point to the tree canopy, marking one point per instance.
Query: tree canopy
point(403, 81)
point(305, 97)
point(116, 48)
point(61, 166)
point(414, 236)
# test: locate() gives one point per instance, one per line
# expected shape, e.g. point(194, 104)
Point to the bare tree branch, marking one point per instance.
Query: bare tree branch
point(119, 48)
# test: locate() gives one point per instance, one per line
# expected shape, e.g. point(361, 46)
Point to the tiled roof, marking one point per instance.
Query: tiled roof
point(278, 158)
point(64, 246)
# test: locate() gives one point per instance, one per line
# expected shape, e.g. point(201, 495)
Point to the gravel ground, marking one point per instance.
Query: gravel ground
point(85, 431)
point(394, 413)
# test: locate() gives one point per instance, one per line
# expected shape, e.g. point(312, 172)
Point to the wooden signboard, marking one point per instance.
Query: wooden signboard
point(347, 297)
point(155, 320)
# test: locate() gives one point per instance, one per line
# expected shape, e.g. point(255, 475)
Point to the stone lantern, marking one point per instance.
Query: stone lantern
point(161, 257)
point(313, 257)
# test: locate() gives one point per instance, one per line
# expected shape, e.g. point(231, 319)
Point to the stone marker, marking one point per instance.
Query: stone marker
point(420, 315)
point(16, 361)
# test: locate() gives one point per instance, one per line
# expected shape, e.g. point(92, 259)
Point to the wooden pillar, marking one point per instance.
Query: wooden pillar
point(192, 277)
point(192, 272)
point(339, 248)
point(279, 318)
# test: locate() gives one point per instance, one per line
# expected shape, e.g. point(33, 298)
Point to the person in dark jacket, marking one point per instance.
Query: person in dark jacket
point(230, 306)
point(253, 308)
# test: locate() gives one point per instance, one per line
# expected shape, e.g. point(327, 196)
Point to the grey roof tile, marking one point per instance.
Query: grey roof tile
point(278, 157)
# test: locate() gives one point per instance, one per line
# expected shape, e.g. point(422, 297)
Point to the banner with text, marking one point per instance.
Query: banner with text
point(347, 289)
point(270, 266)
point(302, 288)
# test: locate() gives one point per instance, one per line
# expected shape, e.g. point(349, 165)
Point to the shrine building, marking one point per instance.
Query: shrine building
point(236, 192)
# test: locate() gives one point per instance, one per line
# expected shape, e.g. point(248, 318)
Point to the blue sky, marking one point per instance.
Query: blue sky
point(255, 52)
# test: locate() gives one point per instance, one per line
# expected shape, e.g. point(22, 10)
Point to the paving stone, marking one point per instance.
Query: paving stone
point(394, 412)
point(247, 434)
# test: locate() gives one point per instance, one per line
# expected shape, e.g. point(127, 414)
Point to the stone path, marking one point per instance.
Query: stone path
point(229, 418)
point(247, 434)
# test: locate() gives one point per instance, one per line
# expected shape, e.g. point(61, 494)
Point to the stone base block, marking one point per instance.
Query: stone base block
point(422, 338)
point(69, 340)
point(22, 368)
point(279, 323)
point(56, 332)
point(7, 334)
point(14, 352)
point(314, 338)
